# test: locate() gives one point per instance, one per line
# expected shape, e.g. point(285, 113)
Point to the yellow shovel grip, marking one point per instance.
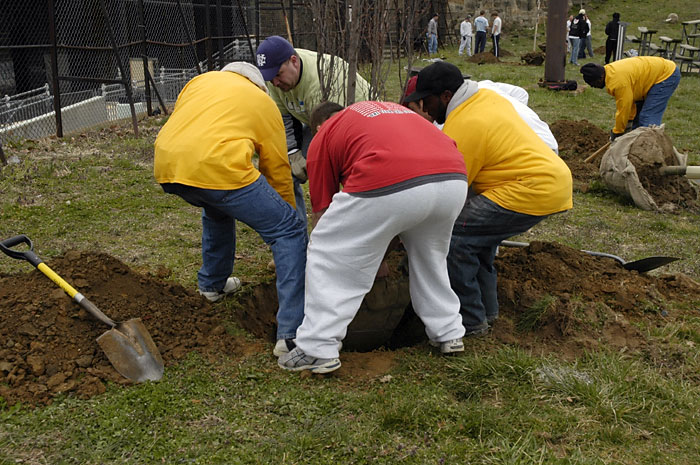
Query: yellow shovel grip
point(43, 267)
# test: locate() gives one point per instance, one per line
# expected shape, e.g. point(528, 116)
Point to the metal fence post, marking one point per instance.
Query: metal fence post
point(207, 16)
point(54, 69)
point(120, 65)
point(245, 29)
point(144, 57)
point(189, 37)
point(220, 32)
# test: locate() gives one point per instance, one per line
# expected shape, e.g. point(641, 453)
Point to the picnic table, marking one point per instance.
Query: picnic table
point(669, 46)
point(688, 56)
point(690, 31)
point(645, 40)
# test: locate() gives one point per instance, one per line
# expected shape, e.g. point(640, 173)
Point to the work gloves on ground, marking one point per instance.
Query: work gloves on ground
point(298, 164)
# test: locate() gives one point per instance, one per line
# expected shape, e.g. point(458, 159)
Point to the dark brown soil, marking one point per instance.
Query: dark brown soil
point(577, 140)
point(483, 57)
point(48, 348)
point(533, 58)
point(555, 299)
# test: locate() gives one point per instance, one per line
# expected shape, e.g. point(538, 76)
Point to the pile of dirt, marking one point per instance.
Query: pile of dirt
point(555, 299)
point(577, 140)
point(483, 57)
point(533, 58)
point(47, 342)
point(48, 348)
point(573, 301)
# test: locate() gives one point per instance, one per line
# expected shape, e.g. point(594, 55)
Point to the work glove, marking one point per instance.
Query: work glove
point(614, 136)
point(464, 37)
point(298, 164)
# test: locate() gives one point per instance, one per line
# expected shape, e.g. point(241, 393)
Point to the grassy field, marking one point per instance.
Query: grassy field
point(497, 404)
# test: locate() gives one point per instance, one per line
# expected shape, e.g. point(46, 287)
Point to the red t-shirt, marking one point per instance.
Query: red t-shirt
point(372, 145)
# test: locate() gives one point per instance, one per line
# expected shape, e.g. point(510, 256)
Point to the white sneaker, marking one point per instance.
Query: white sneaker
point(296, 360)
point(231, 286)
point(449, 347)
point(284, 346)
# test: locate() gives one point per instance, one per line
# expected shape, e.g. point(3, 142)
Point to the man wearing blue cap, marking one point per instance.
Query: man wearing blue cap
point(295, 86)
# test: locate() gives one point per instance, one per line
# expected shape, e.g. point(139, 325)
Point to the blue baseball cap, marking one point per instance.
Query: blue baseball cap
point(271, 54)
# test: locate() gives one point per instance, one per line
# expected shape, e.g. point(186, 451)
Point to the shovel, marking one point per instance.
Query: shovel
point(642, 265)
point(127, 344)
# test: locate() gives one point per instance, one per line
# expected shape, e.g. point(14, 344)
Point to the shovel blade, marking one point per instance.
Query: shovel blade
point(132, 352)
point(647, 264)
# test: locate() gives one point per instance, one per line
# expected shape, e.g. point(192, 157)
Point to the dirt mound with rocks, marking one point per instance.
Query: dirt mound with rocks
point(577, 141)
point(48, 342)
point(553, 298)
point(483, 57)
point(555, 295)
point(533, 58)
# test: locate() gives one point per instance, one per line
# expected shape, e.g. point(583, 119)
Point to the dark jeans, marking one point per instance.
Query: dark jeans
point(496, 44)
point(610, 49)
point(480, 227)
point(480, 42)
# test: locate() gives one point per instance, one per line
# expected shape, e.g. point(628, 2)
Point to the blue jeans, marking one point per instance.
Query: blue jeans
point(259, 206)
point(657, 99)
point(480, 227)
point(432, 44)
point(575, 43)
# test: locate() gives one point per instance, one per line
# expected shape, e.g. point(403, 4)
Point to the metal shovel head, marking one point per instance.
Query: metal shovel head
point(131, 351)
point(649, 263)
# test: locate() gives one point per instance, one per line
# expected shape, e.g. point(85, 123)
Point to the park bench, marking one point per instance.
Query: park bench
point(669, 47)
point(687, 56)
point(691, 31)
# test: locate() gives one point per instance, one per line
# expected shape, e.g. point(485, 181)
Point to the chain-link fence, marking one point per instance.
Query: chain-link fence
point(114, 59)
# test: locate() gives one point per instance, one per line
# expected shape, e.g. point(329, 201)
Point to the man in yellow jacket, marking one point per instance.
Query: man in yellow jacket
point(204, 154)
point(642, 87)
point(515, 181)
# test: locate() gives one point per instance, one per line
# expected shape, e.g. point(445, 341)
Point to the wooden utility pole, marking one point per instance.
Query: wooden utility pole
point(555, 58)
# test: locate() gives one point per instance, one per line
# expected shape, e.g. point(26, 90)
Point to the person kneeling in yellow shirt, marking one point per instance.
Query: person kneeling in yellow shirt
point(515, 182)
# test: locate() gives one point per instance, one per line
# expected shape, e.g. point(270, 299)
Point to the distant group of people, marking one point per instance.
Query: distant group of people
point(579, 36)
point(479, 31)
point(452, 170)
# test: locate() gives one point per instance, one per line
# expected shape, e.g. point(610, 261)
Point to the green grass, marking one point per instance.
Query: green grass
point(497, 404)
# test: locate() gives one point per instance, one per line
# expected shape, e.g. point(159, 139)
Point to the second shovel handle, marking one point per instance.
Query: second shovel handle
point(596, 153)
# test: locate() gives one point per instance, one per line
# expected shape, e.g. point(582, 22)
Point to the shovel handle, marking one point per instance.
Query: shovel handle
point(596, 153)
point(7, 247)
